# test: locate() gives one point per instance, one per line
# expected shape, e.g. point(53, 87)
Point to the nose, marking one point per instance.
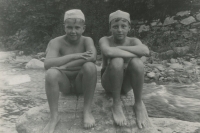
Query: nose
point(73, 30)
point(120, 29)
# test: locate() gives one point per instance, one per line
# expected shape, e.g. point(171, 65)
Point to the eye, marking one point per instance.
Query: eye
point(124, 26)
point(68, 27)
point(77, 28)
point(115, 27)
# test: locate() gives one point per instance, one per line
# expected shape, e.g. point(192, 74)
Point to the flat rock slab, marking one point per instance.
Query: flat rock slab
point(70, 110)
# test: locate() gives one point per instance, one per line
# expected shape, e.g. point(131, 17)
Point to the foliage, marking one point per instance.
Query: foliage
point(30, 24)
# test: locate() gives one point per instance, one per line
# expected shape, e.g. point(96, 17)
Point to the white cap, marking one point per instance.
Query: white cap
point(74, 13)
point(119, 14)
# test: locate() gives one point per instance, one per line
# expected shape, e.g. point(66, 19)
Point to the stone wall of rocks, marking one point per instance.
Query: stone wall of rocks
point(175, 37)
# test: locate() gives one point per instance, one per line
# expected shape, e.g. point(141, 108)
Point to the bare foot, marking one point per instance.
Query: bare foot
point(50, 127)
point(88, 120)
point(118, 115)
point(142, 118)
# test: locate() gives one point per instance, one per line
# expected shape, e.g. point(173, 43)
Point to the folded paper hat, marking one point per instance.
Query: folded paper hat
point(119, 14)
point(74, 13)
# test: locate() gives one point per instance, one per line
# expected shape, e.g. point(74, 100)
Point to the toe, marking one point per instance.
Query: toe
point(144, 125)
point(139, 125)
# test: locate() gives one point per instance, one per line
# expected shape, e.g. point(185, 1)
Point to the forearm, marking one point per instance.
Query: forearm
point(58, 61)
point(116, 52)
point(137, 50)
point(75, 63)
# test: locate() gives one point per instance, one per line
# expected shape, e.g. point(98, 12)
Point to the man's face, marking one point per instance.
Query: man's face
point(74, 28)
point(119, 28)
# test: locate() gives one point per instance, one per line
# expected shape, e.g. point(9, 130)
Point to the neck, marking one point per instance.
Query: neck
point(119, 42)
point(73, 42)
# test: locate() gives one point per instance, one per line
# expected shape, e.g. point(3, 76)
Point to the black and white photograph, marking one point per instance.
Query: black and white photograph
point(100, 66)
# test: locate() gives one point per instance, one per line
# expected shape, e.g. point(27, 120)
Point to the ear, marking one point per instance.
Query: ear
point(129, 28)
point(64, 28)
point(84, 27)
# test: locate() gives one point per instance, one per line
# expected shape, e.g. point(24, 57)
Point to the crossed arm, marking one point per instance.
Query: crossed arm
point(71, 62)
point(136, 49)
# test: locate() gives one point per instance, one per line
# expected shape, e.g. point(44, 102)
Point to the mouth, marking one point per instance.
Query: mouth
point(72, 36)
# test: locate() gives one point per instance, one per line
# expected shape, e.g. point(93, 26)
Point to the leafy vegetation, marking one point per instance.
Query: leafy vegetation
point(30, 24)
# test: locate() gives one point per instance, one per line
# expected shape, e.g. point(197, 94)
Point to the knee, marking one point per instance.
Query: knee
point(136, 64)
point(52, 75)
point(117, 63)
point(89, 68)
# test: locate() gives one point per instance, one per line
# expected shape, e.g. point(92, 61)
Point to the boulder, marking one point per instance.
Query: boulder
point(35, 64)
point(173, 60)
point(183, 13)
point(188, 20)
point(198, 16)
point(181, 50)
point(151, 75)
point(176, 66)
point(169, 21)
point(161, 101)
point(187, 63)
point(197, 24)
point(194, 30)
point(143, 28)
point(34, 120)
point(160, 67)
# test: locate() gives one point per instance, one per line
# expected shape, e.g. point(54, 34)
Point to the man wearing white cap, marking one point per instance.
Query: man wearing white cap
point(122, 69)
point(70, 68)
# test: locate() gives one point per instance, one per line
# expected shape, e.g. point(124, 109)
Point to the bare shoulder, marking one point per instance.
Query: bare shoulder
point(134, 41)
point(87, 41)
point(105, 38)
point(86, 38)
point(56, 42)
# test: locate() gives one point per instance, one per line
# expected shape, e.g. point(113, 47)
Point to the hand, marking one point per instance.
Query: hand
point(85, 55)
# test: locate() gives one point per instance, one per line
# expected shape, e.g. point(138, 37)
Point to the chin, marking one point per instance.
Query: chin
point(120, 38)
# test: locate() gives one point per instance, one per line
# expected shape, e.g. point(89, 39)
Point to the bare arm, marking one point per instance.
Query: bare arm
point(138, 48)
point(53, 59)
point(113, 51)
point(89, 46)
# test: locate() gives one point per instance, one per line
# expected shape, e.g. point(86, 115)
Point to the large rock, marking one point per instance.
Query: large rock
point(176, 66)
point(151, 75)
point(143, 28)
point(169, 21)
point(34, 120)
point(198, 16)
point(161, 101)
point(35, 64)
point(188, 20)
point(183, 13)
point(181, 51)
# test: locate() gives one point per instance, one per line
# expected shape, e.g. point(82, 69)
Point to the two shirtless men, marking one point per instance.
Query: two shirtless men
point(70, 68)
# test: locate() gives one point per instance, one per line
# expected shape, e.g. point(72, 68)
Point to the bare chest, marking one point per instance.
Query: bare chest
point(67, 49)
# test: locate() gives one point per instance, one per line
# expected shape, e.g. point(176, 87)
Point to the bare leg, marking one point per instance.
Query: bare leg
point(54, 81)
point(86, 82)
point(112, 82)
point(136, 76)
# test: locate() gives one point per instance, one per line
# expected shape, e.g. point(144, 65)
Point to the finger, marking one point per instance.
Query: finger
point(89, 52)
point(84, 57)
